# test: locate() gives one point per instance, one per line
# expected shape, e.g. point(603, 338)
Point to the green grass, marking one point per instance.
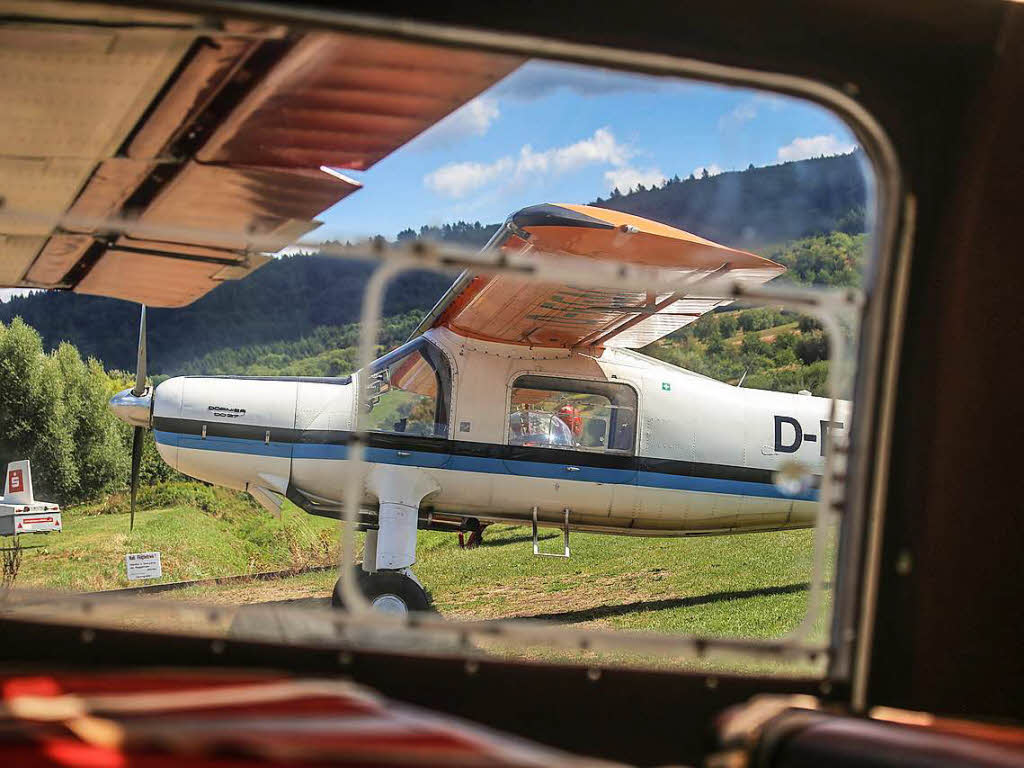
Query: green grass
point(750, 585)
point(202, 533)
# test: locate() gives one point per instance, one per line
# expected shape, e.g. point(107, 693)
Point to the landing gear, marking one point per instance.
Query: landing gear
point(396, 592)
point(476, 534)
point(390, 549)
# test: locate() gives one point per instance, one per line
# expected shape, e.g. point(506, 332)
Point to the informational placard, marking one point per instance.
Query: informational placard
point(143, 565)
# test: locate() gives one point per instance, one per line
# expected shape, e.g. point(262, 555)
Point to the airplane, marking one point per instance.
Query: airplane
point(516, 402)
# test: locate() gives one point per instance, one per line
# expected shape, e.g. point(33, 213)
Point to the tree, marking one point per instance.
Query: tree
point(807, 324)
point(704, 174)
point(727, 325)
point(55, 414)
point(704, 329)
point(812, 348)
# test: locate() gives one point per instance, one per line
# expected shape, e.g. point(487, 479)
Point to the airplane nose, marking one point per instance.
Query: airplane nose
point(133, 409)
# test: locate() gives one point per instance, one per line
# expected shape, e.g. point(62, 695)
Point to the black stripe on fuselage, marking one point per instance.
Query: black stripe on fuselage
point(300, 379)
point(466, 448)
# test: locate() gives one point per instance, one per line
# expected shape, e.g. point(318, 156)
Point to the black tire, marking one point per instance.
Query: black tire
point(337, 601)
point(387, 584)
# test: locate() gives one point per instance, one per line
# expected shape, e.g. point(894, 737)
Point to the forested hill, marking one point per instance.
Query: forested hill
point(758, 207)
point(291, 297)
point(286, 299)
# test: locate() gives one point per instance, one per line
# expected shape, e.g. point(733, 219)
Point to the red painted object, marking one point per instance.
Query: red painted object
point(110, 721)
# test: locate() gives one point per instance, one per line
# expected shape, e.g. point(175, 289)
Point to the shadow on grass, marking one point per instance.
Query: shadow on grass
point(517, 539)
point(607, 611)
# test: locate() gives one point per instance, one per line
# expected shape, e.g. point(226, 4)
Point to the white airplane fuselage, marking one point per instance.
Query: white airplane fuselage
point(701, 458)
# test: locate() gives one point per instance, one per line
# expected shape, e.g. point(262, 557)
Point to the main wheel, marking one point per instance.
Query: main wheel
point(388, 592)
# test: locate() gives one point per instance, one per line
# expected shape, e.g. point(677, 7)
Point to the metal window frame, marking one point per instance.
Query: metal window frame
point(883, 311)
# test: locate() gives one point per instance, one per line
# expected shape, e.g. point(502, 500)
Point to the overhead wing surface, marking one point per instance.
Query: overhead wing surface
point(208, 141)
point(513, 309)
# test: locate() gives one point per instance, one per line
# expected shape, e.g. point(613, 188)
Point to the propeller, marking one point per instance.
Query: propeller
point(138, 390)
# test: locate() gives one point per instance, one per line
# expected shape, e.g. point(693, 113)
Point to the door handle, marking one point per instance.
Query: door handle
point(572, 469)
point(404, 454)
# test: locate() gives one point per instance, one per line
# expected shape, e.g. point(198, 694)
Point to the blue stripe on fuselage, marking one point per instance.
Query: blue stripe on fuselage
point(483, 464)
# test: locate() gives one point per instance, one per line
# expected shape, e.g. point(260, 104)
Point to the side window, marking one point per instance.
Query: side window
point(409, 391)
point(552, 412)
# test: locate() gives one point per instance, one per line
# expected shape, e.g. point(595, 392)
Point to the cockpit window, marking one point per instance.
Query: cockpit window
point(552, 412)
point(409, 391)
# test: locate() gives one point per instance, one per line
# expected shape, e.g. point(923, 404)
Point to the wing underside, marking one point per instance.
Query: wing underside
point(512, 309)
point(150, 155)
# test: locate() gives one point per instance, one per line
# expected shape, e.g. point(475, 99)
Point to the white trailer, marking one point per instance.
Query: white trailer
point(19, 511)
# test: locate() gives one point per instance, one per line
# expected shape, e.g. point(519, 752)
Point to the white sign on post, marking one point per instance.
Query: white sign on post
point(143, 565)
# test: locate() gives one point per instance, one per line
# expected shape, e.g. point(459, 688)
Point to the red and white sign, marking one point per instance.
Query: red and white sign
point(48, 522)
point(15, 481)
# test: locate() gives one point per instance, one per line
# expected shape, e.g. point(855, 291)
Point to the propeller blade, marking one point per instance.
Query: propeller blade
point(136, 463)
point(140, 362)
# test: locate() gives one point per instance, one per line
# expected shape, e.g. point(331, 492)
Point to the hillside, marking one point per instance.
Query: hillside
point(290, 298)
point(777, 203)
point(835, 259)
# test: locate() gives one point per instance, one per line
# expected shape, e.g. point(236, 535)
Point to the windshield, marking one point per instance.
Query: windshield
point(409, 391)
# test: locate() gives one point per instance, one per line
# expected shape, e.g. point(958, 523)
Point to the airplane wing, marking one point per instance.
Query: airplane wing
point(202, 137)
point(515, 310)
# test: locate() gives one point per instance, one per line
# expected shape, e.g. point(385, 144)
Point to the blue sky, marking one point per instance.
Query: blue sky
point(552, 132)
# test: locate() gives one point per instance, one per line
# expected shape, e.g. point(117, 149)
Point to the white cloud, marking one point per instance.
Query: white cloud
point(478, 115)
point(472, 119)
point(599, 149)
point(459, 179)
point(742, 113)
point(625, 178)
point(713, 169)
point(748, 110)
point(804, 147)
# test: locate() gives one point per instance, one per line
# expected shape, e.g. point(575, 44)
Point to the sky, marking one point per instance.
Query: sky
point(553, 132)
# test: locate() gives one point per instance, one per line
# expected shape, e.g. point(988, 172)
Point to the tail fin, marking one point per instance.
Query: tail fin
point(18, 483)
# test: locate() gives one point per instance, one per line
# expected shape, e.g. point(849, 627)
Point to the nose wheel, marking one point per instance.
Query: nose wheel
point(394, 592)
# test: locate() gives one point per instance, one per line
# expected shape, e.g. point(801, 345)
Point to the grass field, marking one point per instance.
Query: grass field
point(200, 532)
point(752, 585)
